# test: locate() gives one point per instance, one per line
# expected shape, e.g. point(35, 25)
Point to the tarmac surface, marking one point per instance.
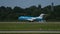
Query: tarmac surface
point(29, 31)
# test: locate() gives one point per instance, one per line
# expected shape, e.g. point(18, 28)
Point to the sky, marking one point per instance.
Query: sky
point(27, 3)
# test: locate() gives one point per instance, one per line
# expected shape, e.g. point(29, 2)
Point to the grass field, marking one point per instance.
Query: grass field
point(29, 26)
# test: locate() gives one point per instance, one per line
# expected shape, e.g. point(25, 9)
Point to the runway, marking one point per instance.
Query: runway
point(29, 31)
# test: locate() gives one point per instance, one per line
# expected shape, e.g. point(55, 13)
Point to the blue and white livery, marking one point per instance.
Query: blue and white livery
point(29, 18)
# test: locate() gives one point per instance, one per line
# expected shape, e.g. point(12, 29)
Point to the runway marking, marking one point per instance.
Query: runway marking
point(29, 31)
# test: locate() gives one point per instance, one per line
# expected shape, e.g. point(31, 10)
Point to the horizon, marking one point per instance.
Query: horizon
point(28, 3)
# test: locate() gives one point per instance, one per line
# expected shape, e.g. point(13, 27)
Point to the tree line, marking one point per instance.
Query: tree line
point(9, 14)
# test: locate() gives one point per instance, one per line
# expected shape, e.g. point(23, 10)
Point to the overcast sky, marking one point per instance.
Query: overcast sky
point(28, 3)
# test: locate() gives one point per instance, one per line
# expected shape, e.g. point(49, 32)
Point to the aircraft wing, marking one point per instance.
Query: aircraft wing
point(32, 19)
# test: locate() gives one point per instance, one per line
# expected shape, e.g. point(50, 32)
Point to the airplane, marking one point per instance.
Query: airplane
point(31, 19)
